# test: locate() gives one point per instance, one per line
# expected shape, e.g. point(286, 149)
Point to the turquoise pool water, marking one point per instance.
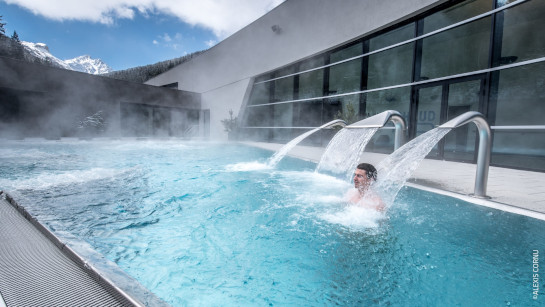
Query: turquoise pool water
point(208, 224)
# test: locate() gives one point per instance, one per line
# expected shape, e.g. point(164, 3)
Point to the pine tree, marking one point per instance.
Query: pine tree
point(15, 37)
point(2, 24)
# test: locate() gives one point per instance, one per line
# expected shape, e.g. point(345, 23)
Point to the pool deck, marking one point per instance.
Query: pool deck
point(517, 191)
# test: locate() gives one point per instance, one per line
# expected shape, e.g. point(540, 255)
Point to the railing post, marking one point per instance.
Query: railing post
point(483, 157)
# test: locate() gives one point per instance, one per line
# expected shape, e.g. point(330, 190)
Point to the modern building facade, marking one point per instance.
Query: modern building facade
point(308, 62)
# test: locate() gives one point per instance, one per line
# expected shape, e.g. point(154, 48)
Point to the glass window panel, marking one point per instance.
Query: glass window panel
point(459, 144)
point(428, 114)
point(521, 95)
point(392, 37)
point(311, 84)
point(429, 109)
point(307, 113)
point(459, 50)
point(501, 3)
point(284, 71)
point(283, 88)
point(345, 77)
point(397, 99)
point(390, 67)
point(262, 78)
point(346, 108)
point(283, 114)
point(520, 149)
point(259, 116)
point(519, 101)
point(312, 63)
point(346, 53)
point(314, 139)
point(254, 134)
point(281, 135)
point(456, 13)
point(260, 94)
point(522, 32)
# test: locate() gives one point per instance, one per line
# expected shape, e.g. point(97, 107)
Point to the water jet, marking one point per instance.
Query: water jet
point(286, 148)
point(380, 120)
point(344, 150)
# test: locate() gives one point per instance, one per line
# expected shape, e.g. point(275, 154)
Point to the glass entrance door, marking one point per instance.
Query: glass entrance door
point(439, 102)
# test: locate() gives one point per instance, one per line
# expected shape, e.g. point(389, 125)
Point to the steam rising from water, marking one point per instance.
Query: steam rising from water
point(46, 181)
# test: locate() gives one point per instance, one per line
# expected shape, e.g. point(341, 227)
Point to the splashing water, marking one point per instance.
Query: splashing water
point(247, 166)
point(286, 148)
point(355, 218)
point(273, 160)
point(395, 169)
point(344, 150)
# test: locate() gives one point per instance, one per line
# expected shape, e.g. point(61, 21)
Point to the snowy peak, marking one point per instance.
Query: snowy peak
point(41, 51)
point(82, 63)
point(86, 64)
point(41, 46)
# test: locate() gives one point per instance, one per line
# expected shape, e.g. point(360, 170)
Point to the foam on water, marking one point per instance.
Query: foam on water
point(248, 166)
point(355, 217)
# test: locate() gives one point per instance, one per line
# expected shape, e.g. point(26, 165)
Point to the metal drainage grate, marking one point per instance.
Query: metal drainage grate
point(35, 272)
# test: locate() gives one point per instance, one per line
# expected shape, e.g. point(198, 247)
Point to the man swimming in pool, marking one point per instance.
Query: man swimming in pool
point(364, 176)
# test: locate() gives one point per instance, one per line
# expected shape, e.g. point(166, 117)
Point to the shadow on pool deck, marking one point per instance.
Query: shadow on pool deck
point(517, 191)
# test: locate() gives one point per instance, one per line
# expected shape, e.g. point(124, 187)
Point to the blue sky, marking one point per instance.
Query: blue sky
point(128, 33)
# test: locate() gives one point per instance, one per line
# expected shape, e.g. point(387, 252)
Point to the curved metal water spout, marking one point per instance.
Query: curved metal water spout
point(288, 146)
point(380, 120)
point(483, 154)
point(333, 123)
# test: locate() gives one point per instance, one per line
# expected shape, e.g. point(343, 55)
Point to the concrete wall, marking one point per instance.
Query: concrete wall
point(42, 101)
point(306, 28)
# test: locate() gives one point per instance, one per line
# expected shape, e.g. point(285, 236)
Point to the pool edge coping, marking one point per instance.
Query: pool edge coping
point(89, 266)
point(481, 201)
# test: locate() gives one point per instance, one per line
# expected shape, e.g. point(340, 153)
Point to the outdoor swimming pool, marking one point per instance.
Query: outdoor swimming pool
point(210, 224)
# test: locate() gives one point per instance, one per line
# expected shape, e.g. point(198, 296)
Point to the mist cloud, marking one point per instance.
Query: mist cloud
point(222, 17)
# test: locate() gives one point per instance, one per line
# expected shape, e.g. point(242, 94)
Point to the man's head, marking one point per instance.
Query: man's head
point(364, 175)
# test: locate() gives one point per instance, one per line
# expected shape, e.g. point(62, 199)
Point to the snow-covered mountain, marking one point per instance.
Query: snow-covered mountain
point(82, 63)
point(86, 64)
point(41, 51)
